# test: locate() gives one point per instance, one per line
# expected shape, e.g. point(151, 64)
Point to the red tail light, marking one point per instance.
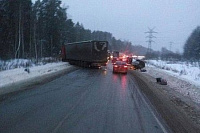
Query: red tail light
point(63, 52)
point(115, 66)
point(125, 66)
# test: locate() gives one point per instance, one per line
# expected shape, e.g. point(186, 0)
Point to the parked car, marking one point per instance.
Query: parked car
point(120, 67)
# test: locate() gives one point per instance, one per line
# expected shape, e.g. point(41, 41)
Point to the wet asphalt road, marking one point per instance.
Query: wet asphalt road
point(83, 101)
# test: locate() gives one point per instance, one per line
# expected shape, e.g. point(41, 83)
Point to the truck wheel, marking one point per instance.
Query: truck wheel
point(82, 63)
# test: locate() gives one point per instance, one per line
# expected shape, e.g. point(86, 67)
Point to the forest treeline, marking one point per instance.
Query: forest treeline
point(38, 30)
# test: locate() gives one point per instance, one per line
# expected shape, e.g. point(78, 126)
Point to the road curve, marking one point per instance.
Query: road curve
point(86, 100)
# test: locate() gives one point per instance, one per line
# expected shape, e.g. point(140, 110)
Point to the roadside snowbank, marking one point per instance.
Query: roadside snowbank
point(182, 70)
point(13, 76)
point(183, 78)
point(20, 63)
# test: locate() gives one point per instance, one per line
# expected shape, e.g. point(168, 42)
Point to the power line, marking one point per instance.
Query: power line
point(150, 38)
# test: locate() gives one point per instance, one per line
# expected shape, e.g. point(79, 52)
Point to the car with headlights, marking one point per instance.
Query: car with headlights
point(120, 67)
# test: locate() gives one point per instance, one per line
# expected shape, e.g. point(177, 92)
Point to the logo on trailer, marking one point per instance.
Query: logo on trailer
point(102, 48)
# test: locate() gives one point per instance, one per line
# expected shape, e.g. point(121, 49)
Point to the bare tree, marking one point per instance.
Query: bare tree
point(19, 32)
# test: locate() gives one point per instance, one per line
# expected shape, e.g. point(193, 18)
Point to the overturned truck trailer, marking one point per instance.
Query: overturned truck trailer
point(86, 53)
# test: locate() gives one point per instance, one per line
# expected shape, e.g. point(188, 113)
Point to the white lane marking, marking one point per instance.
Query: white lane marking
point(152, 112)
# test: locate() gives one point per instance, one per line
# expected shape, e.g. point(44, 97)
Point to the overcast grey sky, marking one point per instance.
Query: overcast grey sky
point(129, 19)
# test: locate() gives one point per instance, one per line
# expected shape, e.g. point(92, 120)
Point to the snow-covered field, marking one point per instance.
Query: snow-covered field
point(181, 76)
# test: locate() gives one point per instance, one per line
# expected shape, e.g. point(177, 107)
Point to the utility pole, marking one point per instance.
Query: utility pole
point(170, 46)
point(150, 37)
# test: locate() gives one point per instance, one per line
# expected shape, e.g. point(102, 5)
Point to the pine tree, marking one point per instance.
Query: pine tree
point(192, 45)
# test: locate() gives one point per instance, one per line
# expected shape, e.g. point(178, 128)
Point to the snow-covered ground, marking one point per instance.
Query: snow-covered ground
point(181, 76)
point(12, 76)
point(18, 63)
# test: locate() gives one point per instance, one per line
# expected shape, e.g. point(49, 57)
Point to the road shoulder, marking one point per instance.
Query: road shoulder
point(180, 115)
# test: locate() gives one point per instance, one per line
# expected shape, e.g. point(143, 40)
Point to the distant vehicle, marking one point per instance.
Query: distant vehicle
point(108, 55)
point(114, 60)
point(122, 57)
point(86, 53)
point(116, 54)
point(129, 60)
point(120, 67)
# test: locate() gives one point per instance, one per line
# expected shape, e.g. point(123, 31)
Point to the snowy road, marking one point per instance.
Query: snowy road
point(86, 100)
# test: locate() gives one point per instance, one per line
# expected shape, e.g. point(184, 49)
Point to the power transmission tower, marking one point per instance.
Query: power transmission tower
point(170, 46)
point(150, 37)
